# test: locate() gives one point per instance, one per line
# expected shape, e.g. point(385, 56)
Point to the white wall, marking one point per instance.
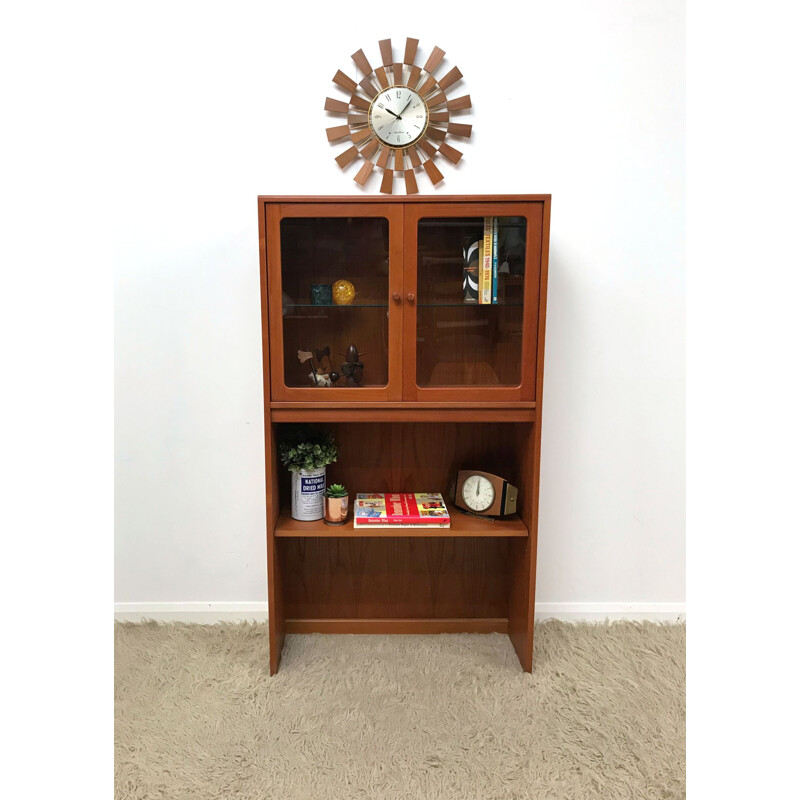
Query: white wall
point(581, 99)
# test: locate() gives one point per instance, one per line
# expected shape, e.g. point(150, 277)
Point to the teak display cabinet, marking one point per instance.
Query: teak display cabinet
point(446, 385)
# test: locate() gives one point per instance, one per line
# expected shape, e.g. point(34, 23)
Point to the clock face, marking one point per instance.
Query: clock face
point(478, 493)
point(398, 116)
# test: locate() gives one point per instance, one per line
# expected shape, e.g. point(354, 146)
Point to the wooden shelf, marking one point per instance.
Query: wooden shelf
point(383, 411)
point(460, 525)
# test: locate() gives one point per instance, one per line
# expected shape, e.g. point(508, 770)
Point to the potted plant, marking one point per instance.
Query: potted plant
point(306, 455)
point(336, 501)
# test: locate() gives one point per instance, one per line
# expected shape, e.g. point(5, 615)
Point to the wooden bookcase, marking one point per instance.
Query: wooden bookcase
point(446, 386)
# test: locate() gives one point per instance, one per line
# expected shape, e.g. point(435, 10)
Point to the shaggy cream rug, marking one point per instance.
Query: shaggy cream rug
point(433, 717)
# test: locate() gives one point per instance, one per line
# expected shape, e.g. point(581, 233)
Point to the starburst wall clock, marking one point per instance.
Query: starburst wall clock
point(398, 116)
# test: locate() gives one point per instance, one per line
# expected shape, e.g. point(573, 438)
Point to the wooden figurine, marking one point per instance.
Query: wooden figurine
point(353, 367)
point(319, 375)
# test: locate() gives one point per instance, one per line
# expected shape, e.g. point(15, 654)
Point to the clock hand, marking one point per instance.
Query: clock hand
point(392, 112)
point(400, 115)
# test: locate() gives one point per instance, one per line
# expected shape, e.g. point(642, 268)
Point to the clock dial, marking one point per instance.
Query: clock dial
point(398, 116)
point(477, 492)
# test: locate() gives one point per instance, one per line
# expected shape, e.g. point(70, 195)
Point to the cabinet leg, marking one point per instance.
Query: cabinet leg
point(277, 618)
point(521, 599)
point(276, 639)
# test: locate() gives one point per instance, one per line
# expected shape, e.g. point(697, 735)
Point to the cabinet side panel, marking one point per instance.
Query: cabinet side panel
point(533, 343)
point(277, 615)
point(544, 260)
point(275, 593)
point(523, 552)
point(523, 559)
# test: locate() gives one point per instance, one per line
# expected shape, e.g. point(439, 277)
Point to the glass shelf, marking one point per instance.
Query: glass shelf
point(289, 306)
point(470, 305)
point(321, 307)
point(460, 222)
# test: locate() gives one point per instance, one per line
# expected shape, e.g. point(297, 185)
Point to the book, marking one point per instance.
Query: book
point(400, 510)
point(472, 246)
point(494, 260)
point(480, 270)
point(485, 295)
point(392, 525)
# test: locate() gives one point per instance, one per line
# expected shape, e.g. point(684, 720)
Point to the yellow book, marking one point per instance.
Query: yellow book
point(485, 288)
point(480, 272)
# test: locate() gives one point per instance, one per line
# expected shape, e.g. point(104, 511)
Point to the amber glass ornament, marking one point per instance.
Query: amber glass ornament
point(343, 293)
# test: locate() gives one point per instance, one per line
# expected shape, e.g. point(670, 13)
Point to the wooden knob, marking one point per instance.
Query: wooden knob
point(396, 297)
point(410, 297)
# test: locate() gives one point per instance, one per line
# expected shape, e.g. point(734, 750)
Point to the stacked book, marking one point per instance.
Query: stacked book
point(381, 511)
point(480, 280)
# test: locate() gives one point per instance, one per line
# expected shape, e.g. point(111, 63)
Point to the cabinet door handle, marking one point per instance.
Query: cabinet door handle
point(410, 297)
point(396, 297)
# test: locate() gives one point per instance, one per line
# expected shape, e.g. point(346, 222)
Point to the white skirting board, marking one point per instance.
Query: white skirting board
point(208, 613)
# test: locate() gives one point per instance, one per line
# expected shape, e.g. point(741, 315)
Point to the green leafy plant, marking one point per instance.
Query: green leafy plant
point(336, 490)
point(305, 451)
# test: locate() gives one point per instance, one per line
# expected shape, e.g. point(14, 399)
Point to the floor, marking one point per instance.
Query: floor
point(448, 716)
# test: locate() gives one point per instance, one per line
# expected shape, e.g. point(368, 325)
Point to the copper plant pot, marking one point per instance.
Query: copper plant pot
point(336, 510)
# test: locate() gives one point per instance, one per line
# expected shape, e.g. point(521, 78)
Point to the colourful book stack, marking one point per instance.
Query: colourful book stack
point(488, 263)
point(494, 260)
point(485, 287)
point(380, 510)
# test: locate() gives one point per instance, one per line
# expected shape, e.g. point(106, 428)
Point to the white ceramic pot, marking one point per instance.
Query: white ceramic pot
point(308, 494)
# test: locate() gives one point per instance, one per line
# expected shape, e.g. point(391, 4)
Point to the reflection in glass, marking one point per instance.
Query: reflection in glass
point(460, 340)
point(335, 277)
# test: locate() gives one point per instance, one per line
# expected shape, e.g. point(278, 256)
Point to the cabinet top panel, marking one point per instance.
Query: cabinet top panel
point(416, 198)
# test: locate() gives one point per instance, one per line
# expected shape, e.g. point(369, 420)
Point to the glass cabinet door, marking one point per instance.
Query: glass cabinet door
point(476, 291)
point(338, 335)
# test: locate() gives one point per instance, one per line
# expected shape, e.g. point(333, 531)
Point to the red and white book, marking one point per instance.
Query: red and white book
point(400, 510)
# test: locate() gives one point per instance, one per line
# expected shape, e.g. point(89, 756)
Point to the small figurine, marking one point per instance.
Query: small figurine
point(353, 367)
point(321, 294)
point(302, 357)
point(323, 375)
point(319, 375)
